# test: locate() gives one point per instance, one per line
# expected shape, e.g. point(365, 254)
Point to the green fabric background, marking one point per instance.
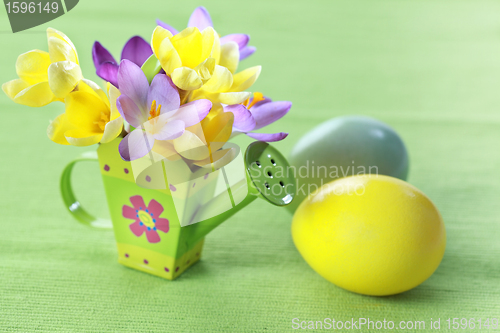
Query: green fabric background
point(430, 69)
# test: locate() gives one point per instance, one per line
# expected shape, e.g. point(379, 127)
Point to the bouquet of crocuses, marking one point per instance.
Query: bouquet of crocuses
point(178, 95)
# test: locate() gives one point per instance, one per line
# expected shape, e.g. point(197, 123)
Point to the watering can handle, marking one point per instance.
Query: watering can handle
point(70, 201)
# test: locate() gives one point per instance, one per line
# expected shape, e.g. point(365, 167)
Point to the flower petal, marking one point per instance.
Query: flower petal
point(240, 39)
point(101, 55)
point(193, 112)
point(108, 71)
point(137, 228)
point(155, 208)
point(188, 44)
point(92, 87)
point(129, 212)
point(233, 97)
point(135, 145)
point(137, 50)
point(168, 56)
point(159, 34)
point(84, 110)
point(247, 51)
point(190, 146)
point(268, 113)
point(243, 119)
point(221, 80)
point(230, 56)
point(200, 18)
point(112, 129)
point(162, 224)
point(218, 129)
point(14, 87)
point(216, 46)
point(57, 128)
point(130, 111)
point(133, 82)
point(205, 69)
point(166, 26)
point(60, 47)
point(164, 92)
point(168, 131)
point(152, 236)
point(138, 202)
point(36, 95)
point(63, 77)
point(186, 78)
point(244, 79)
point(113, 93)
point(32, 66)
point(81, 138)
point(268, 137)
point(210, 44)
point(156, 125)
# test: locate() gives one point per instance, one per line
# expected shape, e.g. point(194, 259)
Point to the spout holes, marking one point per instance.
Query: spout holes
point(270, 174)
point(281, 183)
point(273, 162)
point(258, 163)
point(267, 186)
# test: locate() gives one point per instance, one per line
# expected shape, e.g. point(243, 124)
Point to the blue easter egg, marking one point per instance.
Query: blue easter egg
point(342, 147)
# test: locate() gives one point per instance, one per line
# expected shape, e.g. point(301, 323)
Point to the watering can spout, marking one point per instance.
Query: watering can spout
point(267, 176)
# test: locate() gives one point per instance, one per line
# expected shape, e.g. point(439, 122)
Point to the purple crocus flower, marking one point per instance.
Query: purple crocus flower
point(200, 18)
point(136, 50)
point(257, 112)
point(154, 110)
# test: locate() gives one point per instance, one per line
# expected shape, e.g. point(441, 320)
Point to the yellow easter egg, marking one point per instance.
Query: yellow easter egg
point(369, 234)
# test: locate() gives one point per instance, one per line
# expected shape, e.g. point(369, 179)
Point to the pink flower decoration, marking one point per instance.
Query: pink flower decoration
point(147, 219)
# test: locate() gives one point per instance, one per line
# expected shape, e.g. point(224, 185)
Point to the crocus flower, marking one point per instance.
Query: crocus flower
point(255, 113)
point(191, 58)
point(45, 77)
point(90, 117)
point(154, 110)
point(201, 19)
point(136, 50)
point(196, 63)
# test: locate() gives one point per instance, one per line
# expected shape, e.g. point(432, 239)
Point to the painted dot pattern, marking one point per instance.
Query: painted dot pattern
point(166, 269)
point(148, 179)
point(106, 167)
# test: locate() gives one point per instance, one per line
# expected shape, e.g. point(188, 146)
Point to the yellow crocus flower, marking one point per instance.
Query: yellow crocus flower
point(45, 77)
point(200, 66)
point(90, 117)
point(190, 58)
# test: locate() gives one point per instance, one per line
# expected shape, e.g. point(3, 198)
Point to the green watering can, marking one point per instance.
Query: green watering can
point(162, 210)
